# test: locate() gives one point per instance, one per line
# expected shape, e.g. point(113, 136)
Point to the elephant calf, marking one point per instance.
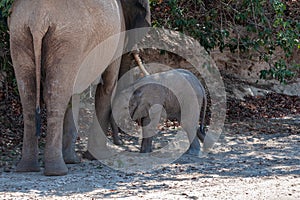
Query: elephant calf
point(151, 94)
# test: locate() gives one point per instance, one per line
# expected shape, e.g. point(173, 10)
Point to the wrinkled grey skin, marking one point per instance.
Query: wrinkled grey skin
point(52, 38)
point(133, 20)
point(115, 132)
point(137, 16)
point(148, 95)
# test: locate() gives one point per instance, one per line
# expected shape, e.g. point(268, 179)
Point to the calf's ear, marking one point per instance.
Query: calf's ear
point(137, 106)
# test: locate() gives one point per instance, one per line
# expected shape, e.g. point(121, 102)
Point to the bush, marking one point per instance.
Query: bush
point(4, 35)
point(270, 25)
point(6, 69)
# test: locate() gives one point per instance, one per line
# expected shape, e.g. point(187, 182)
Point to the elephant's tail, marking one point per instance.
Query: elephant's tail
point(37, 46)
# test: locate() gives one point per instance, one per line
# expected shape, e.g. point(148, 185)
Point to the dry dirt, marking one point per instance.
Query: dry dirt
point(243, 166)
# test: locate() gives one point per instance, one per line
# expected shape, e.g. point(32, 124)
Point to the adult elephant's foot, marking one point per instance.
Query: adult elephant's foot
point(28, 166)
point(71, 158)
point(55, 168)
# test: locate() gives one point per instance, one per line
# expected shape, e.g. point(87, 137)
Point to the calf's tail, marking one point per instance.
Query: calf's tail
point(201, 131)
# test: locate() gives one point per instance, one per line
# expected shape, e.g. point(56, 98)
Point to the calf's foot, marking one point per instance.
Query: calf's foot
point(117, 141)
point(146, 146)
point(88, 155)
point(194, 148)
point(193, 152)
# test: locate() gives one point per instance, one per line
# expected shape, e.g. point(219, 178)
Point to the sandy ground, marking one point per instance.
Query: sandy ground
point(261, 166)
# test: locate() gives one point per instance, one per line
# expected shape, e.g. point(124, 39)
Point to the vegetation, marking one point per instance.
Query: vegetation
point(264, 26)
point(5, 63)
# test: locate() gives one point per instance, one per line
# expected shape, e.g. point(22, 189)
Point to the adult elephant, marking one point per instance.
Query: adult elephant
point(49, 41)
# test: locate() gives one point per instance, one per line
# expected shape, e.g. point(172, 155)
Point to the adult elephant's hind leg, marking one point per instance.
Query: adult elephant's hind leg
point(103, 105)
point(104, 94)
point(29, 161)
point(57, 97)
point(25, 73)
point(70, 136)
